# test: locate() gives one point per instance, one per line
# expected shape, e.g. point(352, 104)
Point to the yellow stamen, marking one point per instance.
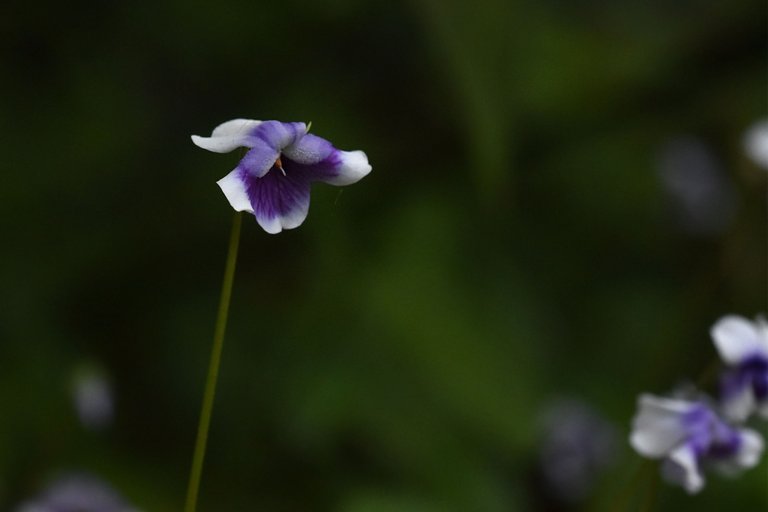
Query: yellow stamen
point(279, 165)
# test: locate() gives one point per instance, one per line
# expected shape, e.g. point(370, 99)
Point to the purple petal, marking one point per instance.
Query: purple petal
point(338, 168)
point(267, 141)
point(309, 149)
point(278, 201)
point(279, 135)
point(259, 160)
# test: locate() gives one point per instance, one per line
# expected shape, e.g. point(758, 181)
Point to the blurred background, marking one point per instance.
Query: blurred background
point(561, 205)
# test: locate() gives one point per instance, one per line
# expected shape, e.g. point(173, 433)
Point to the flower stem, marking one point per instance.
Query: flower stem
point(213, 368)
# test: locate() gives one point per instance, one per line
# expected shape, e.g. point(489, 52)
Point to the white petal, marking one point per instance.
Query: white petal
point(270, 225)
point(354, 167)
point(739, 406)
point(234, 189)
point(737, 338)
point(294, 218)
point(756, 143)
point(681, 468)
point(657, 428)
point(227, 136)
point(750, 450)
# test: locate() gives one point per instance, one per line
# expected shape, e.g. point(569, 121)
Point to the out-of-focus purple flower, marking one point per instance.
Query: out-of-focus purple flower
point(273, 179)
point(77, 493)
point(699, 192)
point(92, 395)
point(689, 435)
point(756, 143)
point(743, 346)
point(577, 444)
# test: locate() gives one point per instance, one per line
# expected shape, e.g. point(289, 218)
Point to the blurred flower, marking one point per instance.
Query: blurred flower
point(577, 445)
point(743, 345)
point(756, 143)
point(92, 395)
point(700, 194)
point(272, 180)
point(688, 435)
point(77, 493)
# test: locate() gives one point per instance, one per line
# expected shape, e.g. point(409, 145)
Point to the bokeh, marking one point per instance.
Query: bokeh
point(560, 207)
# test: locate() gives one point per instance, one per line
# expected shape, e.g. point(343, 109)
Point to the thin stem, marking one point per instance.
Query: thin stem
point(650, 494)
point(641, 471)
point(213, 368)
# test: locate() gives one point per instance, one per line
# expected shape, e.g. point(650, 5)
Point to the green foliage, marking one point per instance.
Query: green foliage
point(511, 246)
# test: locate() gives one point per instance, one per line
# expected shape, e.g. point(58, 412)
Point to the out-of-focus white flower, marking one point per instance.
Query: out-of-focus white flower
point(756, 143)
point(689, 435)
point(77, 493)
point(577, 445)
point(743, 346)
point(93, 398)
point(700, 194)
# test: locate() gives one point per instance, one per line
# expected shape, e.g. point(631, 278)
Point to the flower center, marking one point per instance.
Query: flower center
point(279, 165)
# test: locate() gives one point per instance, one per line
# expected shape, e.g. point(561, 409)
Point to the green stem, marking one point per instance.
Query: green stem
point(213, 368)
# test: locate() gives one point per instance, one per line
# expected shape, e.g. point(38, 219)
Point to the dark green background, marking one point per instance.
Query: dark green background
point(512, 245)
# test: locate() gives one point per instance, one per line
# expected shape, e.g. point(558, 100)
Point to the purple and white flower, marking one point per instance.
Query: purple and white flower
point(689, 435)
point(273, 179)
point(743, 346)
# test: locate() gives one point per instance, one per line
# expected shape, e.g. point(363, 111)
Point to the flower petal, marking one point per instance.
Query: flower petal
point(682, 468)
point(228, 136)
point(658, 427)
point(736, 338)
point(756, 143)
point(750, 450)
point(279, 202)
point(259, 160)
point(279, 135)
point(235, 191)
point(737, 397)
point(350, 167)
point(309, 149)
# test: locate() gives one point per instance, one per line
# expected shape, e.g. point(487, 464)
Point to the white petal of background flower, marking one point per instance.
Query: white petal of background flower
point(756, 143)
point(681, 468)
point(738, 407)
point(227, 136)
point(736, 338)
point(751, 449)
point(657, 428)
point(748, 456)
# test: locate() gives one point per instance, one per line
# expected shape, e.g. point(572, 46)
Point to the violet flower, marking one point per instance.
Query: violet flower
point(689, 435)
point(273, 179)
point(743, 346)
